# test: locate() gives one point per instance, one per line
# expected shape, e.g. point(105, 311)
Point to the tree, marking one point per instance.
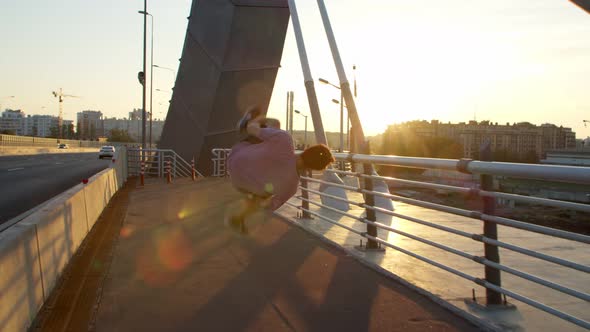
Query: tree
point(120, 135)
point(8, 132)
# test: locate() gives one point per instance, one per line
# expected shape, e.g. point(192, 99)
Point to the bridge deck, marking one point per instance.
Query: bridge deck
point(175, 267)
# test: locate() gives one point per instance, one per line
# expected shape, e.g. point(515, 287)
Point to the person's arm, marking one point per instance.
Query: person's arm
point(253, 127)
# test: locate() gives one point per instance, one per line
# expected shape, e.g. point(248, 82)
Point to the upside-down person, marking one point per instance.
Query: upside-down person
point(265, 168)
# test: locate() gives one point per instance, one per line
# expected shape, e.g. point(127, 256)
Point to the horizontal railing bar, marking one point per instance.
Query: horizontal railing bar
point(331, 196)
point(529, 171)
point(462, 190)
point(540, 281)
point(419, 239)
point(331, 209)
point(537, 305)
point(326, 219)
point(488, 285)
point(422, 258)
point(487, 262)
point(479, 215)
point(434, 206)
point(537, 200)
point(487, 240)
point(332, 184)
point(342, 172)
point(420, 221)
point(460, 233)
point(535, 254)
point(537, 229)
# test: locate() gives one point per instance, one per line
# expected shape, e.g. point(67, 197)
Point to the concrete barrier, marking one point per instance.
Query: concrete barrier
point(61, 226)
point(97, 195)
point(21, 287)
point(35, 251)
point(26, 150)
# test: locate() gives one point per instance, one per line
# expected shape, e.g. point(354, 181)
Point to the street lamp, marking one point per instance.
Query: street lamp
point(335, 101)
point(305, 134)
point(341, 113)
point(151, 73)
point(141, 76)
point(170, 69)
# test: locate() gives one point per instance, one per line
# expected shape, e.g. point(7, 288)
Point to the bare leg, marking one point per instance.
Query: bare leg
point(248, 205)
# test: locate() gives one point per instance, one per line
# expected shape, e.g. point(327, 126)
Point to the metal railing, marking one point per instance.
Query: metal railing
point(220, 162)
point(489, 238)
point(156, 161)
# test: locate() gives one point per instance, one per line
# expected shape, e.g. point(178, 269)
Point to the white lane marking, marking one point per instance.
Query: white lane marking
point(58, 163)
point(15, 169)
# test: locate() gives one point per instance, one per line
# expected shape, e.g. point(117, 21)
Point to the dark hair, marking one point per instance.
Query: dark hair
point(317, 157)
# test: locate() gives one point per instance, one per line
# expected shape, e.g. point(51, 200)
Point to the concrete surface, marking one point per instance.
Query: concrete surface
point(177, 268)
point(456, 290)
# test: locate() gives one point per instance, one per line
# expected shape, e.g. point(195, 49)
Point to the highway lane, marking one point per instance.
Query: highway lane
point(27, 181)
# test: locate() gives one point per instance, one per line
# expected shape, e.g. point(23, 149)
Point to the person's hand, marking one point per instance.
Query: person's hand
point(258, 119)
point(254, 125)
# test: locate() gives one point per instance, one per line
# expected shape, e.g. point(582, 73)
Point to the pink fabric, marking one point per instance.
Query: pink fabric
point(267, 168)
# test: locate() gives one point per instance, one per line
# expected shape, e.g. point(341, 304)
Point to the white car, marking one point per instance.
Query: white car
point(62, 146)
point(106, 151)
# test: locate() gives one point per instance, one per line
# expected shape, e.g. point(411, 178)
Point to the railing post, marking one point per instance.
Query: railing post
point(141, 176)
point(305, 194)
point(174, 172)
point(160, 163)
point(193, 175)
point(370, 201)
point(168, 172)
point(490, 230)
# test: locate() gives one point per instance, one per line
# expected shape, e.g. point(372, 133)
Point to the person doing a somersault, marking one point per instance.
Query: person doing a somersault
point(265, 168)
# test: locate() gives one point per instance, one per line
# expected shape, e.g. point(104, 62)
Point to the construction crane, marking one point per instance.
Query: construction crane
point(60, 95)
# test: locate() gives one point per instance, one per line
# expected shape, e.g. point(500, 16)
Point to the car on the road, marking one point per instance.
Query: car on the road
point(63, 146)
point(106, 151)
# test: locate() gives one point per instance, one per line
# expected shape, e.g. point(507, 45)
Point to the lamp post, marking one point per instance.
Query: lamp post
point(305, 133)
point(341, 113)
point(144, 12)
point(151, 72)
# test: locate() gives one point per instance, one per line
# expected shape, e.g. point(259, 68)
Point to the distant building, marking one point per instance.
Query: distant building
point(90, 125)
point(133, 127)
point(11, 121)
point(518, 139)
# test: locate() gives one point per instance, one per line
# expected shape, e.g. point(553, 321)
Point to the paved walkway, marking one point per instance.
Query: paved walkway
point(176, 267)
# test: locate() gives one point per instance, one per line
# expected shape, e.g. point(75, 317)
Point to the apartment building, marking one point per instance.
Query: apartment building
point(519, 138)
point(90, 125)
point(11, 121)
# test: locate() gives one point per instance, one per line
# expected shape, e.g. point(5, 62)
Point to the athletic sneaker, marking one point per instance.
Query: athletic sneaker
point(237, 224)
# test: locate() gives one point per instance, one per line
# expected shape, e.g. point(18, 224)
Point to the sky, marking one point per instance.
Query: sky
point(453, 60)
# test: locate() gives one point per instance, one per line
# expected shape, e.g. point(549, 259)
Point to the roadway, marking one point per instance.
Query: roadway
point(27, 181)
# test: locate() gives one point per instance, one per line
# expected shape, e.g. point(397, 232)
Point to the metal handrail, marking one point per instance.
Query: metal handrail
point(578, 175)
point(155, 162)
